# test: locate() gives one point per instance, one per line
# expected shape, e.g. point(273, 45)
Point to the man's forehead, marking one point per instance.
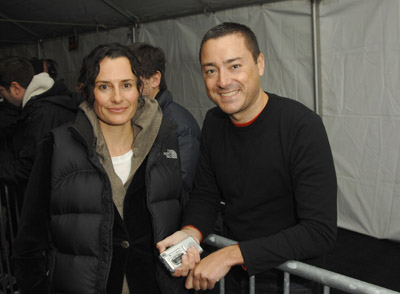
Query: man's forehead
point(222, 48)
point(236, 37)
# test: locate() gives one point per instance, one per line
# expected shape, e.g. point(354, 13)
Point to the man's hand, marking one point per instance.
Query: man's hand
point(191, 257)
point(214, 267)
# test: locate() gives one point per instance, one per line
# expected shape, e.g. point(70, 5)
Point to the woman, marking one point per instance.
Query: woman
point(103, 191)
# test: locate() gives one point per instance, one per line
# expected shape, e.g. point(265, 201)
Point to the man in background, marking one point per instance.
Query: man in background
point(43, 105)
point(45, 65)
point(152, 60)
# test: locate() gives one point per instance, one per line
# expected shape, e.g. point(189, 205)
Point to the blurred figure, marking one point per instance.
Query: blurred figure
point(152, 62)
point(103, 190)
point(9, 114)
point(43, 104)
point(50, 66)
point(45, 65)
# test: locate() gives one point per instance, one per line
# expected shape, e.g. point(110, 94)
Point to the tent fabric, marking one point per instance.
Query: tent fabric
point(27, 21)
point(359, 53)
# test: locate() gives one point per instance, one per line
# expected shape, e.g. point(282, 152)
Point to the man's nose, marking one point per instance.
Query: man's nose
point(224, 79)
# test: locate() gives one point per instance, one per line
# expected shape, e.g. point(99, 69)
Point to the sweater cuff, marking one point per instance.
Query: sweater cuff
point(243, 265)
point(190, 226)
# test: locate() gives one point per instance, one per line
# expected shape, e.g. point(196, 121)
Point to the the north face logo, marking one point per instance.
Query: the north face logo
point(171, 154)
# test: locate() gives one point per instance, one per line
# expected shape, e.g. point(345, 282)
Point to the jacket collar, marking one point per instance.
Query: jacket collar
point(40, 83)
point(164, 98)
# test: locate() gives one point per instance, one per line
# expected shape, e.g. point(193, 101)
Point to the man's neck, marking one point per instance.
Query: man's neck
point(252, 112)
point(155, 93)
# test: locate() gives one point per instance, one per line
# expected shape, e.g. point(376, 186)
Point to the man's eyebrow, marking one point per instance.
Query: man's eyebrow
point(208, 64)
point(228, 61)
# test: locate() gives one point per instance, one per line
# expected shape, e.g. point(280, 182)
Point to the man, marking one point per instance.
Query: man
point(152, 61)
point(44, 104)
point(45, 65)
point(268, 159)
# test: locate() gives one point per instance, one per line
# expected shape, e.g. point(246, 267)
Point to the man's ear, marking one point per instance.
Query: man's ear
point(156, 80)
point(260, 64)
point(17, 90)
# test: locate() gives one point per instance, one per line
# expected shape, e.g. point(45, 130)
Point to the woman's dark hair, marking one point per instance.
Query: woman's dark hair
point(228, 28)
point(91, 67)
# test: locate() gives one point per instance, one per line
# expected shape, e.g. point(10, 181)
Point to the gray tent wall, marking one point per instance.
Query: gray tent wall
point(358, 46)
point(360, 55)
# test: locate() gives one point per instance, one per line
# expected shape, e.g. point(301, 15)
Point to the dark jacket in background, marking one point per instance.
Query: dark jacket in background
point(41, 114)
point(188, 134)
point(91, 247)
point(8, 121)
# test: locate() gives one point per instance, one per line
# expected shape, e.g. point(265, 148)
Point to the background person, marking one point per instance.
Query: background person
point(152, 61)
point(103, 190)
point(268, 158)
point(43, 105)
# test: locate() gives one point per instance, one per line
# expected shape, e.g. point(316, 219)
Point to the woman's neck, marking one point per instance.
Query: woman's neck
point(119, 139)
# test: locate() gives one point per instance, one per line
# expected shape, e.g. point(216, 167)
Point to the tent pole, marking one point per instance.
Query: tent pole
point(39, 50)
point(316, 55)
point(135, 33)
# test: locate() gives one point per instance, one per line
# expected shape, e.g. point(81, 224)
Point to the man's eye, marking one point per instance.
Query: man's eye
point(235, 66)
point(210, 71)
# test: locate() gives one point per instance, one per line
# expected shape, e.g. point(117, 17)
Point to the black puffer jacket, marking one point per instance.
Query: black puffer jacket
point(88, 235)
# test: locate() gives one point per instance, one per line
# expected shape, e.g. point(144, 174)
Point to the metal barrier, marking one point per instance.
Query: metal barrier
point(9, 218)
point(324, 277)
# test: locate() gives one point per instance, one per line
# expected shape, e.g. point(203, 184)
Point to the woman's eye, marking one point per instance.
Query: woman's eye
point(127, 85)
point(103, 87)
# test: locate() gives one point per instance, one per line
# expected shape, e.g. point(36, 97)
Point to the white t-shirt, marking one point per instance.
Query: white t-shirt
point(122, 165)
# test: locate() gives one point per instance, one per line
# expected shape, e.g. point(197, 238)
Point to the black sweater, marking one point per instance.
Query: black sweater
point(277, 180)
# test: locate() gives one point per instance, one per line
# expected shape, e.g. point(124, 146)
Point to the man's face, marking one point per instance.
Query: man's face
point(232, 77)
point(11, 96)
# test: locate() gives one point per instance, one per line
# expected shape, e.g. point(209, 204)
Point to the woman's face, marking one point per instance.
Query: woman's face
point(115, 92)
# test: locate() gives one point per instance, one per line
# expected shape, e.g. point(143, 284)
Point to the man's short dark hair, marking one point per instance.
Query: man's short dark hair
point(152, 59)
point(37, 65)
point(91, 67)
point(15, 69)
point(52, 66)
point(228, 28)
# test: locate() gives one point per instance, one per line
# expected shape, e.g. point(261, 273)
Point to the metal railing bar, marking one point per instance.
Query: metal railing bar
point(327, 290)
point(286, 283)
point(252, 285)
point(319, 275)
